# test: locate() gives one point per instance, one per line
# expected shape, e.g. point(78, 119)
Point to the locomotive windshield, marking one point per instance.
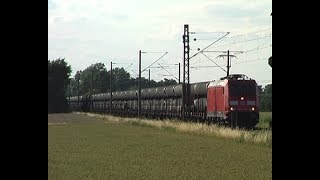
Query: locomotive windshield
point(242, 89)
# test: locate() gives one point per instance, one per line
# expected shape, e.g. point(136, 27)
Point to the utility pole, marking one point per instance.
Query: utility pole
point(186, 79)
point(139, 82)
point(228, 58)
point(139, 85)
point(111, 88)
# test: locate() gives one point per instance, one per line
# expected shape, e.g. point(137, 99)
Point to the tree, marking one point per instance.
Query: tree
point(58, 80)
point(94, 79)
point(121, 79)
point(167, 82)
point(266, 98)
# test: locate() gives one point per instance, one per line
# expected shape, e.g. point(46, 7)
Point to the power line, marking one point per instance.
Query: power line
point(213, 62)
point(157, 67)
point(154, 62)
point(248, 61)
point(244, 41)
point(255, 32)
point(206, 32)
point(259, 59)
point(208, 46)
point(135, 73)
point(257, 48)
point(236, 35)
point(168, 72)
point(128, 66)
point(199, 67)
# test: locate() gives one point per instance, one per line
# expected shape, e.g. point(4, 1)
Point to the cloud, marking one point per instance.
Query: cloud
point(120, 17)
point(88, 31)
point(231, 11)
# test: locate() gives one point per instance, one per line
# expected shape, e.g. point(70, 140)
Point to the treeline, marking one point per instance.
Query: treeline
point(266, 98)
point(58, 80)
point(96, 79)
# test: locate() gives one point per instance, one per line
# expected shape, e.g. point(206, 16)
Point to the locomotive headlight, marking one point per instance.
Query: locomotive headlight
point(231, 108)
point(242, 98)
point(252, 108)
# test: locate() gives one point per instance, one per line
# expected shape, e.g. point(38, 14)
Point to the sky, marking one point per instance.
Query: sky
point(85, 32)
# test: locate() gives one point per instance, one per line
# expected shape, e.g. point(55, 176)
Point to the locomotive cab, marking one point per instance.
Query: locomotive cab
point(243, 101)
point(234, 100)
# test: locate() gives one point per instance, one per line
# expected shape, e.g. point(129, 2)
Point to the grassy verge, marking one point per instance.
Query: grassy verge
point(262, 136)
point(106, 148)
point(264, 120)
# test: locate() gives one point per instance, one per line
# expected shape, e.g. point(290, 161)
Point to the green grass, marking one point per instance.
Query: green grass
point(263, 136)
point(264, 120)
point(97, 148)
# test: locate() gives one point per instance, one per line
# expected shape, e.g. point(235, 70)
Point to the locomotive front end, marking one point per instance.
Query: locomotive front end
point(243, 102)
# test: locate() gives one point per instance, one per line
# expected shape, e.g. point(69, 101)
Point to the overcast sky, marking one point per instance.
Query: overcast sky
point(90, 31)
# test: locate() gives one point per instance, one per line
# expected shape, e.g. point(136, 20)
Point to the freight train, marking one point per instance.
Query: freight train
point(231, 100)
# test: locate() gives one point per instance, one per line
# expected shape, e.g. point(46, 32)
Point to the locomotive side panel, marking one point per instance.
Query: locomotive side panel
point(219, 100)
point(211, 108)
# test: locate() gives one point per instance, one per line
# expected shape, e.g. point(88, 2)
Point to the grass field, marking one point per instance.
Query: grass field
point(91, 147)
point(264, 119)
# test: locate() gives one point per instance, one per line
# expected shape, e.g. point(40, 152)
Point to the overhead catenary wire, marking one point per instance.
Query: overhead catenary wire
point(243, 41)
point(209, 45)
point(265, 30)
point(213, 62)
point(168, 71)
point(260, 47)
point(255, 32)
point(202, 52)
point(258, 59)
point(257, 48)
point(246, 40)
point(154, 62)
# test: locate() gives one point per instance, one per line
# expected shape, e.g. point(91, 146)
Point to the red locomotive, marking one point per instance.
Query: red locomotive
point(235, 100)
